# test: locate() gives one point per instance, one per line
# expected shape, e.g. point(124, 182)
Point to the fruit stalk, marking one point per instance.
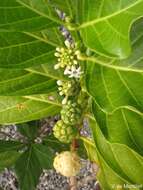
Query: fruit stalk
point(73, 181)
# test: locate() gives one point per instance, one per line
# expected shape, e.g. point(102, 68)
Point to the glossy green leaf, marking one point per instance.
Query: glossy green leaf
point(9, 153)
point(115, 83)
point(90, 149)
point(51, 36)
point(6, 146)
point(21, 109)
point(8, 159)
point(109, 179)
point(21, 83)
point(115, 86)
point(106, 176)
point(17, 17)
point(103, 26)
point(134, 61)
point(19, 50)
point(45, 155)
point(120, 164)
point(42, 8)
point(28, 170)
point(29, 129)
point(112, 88)
point(124, 126)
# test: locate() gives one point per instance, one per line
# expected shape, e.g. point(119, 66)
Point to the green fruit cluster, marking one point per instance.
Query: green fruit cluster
point(71, 113)
point(64, 133)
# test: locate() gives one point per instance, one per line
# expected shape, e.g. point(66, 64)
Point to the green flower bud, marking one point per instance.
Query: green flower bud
point(64, 133)
point(66, 56)
point(71, 113)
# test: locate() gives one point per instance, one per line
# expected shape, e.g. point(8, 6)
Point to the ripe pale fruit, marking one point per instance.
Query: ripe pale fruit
point(67, 163)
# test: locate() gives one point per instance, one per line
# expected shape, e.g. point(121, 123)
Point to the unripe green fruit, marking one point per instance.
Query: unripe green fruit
point(71, 113)
point(67, 163)
point(63, 132)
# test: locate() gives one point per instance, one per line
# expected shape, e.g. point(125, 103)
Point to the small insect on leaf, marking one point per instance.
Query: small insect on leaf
point(20, 106)
point(51, 98)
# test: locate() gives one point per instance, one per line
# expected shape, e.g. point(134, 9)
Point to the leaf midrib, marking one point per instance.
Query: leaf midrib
point(95, 21)
point(19, 45)
point(14, 7)
point(31, 59)
point(28, 163)
point(41, 39)
point(34, 85)
point(41, 100)
point(20, 21)
point(130, 131)
point(38, 12)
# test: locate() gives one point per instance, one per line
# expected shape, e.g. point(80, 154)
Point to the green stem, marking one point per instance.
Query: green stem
point(88, 141)
point(107, 64)
point(92, 59)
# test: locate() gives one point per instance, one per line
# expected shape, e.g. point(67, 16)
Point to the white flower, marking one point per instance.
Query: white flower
point(64, 101)
point(75, 62)
point(59, 82)
point(66, 72)
point(68, 44)
point(57, 66)
point(73, 72)
point(57, 54)
point(58, 49)
point(77, 52)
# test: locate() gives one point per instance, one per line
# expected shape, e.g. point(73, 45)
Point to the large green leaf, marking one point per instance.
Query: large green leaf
point(28, 169)
point(29, 129)
point(124, 126)
point(116, 90)
point(20, 83)
point(21, 109)
point(91, 150)
point(9, 153)
point(117, 83)
point(105, 25)
point(6, 146)
point(51, 36)
point(19, 50)
point(112, 88)
point(8, 159)
point(119, 164)
point(133, 62)
point(45, 155)
point(42, 8)
point(17, 17)
point(106, 176)
point(38, 157)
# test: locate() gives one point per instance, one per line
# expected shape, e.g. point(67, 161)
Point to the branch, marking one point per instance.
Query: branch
point(73, 183)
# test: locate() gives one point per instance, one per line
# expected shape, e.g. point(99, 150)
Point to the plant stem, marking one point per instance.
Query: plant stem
point(74, 145)
point(73, 183)
point(72, 180)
